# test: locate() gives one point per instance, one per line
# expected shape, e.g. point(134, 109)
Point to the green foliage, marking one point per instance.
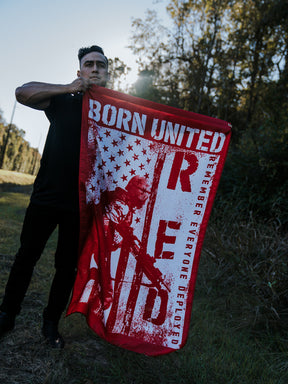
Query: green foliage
point(256, 170)
point(227, 59)
point(246, 261)
point(15, 152)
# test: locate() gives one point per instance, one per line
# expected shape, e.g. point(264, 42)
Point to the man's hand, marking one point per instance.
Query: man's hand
point(79, 85)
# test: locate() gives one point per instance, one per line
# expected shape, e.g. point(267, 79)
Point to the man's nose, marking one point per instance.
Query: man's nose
point(95, 67)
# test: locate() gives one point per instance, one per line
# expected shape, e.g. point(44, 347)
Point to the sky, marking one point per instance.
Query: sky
point(39, 41)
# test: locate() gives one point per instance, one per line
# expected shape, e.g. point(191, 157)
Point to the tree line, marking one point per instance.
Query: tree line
point(16, 154)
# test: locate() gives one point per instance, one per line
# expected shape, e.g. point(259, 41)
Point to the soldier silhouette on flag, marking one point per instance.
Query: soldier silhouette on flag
point(119, 207)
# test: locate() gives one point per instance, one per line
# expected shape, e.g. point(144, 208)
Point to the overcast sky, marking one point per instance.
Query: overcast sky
point(39, 41)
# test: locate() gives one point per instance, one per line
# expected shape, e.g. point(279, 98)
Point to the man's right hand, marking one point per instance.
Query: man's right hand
point(79, 85)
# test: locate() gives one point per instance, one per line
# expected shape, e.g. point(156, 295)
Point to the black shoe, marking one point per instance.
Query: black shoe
point(51, 334)
point(7, 323)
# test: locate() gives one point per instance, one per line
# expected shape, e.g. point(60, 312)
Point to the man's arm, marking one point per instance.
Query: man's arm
point(38, 95)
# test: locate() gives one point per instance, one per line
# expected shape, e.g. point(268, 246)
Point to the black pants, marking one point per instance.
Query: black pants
point(39, 223)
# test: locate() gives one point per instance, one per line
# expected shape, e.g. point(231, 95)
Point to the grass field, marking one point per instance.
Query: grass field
point(15, 181)
point(217, 350)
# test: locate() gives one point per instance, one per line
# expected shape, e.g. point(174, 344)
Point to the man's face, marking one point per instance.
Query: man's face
point(93, 67)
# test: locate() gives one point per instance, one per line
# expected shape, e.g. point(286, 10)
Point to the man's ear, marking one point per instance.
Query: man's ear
point(78, 74)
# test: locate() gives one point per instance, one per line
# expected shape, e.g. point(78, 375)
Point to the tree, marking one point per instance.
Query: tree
point(118, 71)
point(16, 153)
point(216, 57)
point(227, 59)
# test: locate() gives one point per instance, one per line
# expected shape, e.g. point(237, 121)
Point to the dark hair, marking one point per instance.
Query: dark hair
point(94, 48)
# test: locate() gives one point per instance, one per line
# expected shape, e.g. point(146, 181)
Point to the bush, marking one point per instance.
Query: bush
point(255, 176)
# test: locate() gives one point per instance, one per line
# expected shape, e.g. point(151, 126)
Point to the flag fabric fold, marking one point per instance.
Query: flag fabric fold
point(148, 177)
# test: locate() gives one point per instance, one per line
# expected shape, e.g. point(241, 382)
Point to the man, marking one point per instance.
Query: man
point(119, 208)
point(54, 200)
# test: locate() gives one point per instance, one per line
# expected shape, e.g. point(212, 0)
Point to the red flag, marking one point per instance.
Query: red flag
point(148, 178)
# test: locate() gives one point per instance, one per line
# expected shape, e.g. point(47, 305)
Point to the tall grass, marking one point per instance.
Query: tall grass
point(246, 259)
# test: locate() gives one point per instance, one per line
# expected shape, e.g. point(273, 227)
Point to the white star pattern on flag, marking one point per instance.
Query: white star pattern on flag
point(120, 156)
